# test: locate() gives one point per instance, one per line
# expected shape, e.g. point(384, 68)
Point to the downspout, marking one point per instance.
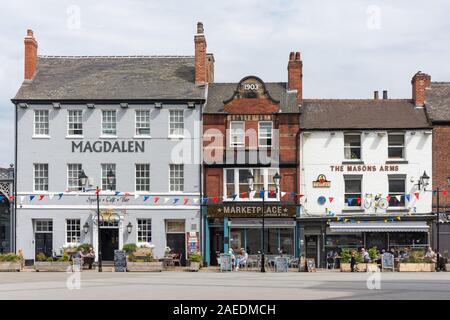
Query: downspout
point(15, 180)
point(203, 220)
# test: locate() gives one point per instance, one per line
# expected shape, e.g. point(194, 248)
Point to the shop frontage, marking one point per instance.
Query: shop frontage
point(240, 226)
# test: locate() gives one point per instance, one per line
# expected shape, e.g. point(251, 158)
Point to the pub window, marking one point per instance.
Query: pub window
point(73, 230)
point(142, 177)
point(105, 169)
point(41, 124)
point(144, 231)
point(43, 226)
point(352, 191)
point(236, 184)
point(176, 177)
point(142, 122)
point(40, 177)
point(109, 122)
point(75, 123)
point(396, 145)
point(397, 192)
point(265, 134)
point(73, 173)
point(352, 146)
point(176, 123)
point(237, 134)
point(230, 183)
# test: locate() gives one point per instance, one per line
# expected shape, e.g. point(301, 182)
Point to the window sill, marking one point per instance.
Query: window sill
point(176, 137)
point(41, 137)
point(74, 137)
point(142, 137)
point(398, 209)
point(358, 161)
point(399, 161)
point(355, 210)
point(107, 137)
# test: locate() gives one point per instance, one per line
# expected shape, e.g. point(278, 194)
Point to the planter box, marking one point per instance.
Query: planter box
point(144, 266)
point(194, 266)
point(416, 267)
point(372, 267)
point(345, 267)
point(52, 266)
point(447, 267)
point(10, 266)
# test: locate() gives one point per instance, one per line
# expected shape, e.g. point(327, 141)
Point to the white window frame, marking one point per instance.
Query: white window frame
point(250, 196)
point(136, 123)
point(148, 222)
point(74, 135)
point(177, 135)
point(107, 166)
point(170, 178)
point(41, 135)
point(136, 177)
point(355, 178)
point(360, 146)
point(396, 193)
point(266, 138)
point(239, 144)
point(398, 146)
point(108, 135)
point(48, 224)
point(73, 231)
point(79, 186)
point(34, 177)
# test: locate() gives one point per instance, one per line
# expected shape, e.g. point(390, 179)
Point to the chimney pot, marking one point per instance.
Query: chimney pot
point(375, 95)
point(200, 56)
point(200, 28)
point(419, 82)
point(30, 62)
point(297, 56)
point(295, 74)
point(385, 94)
point(291, 56)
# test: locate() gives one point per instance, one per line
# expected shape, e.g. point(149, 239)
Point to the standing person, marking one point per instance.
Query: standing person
point(353, 261)
point(430, 254)
point(365, 255)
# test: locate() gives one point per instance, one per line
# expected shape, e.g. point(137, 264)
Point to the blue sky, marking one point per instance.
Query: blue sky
point(349, 48)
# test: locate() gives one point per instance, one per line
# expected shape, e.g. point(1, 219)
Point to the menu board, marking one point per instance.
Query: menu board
point(387, 261)
point(311, 265)
point(226, 262)
point(281, 264)
point(120, 261)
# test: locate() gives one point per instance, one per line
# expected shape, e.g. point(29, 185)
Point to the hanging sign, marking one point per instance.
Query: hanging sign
point(321, 182)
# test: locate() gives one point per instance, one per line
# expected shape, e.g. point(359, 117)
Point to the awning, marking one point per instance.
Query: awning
point(257, 223)
point(372, 226)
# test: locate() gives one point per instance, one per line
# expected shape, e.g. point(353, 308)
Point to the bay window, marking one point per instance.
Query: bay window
point(236, 184)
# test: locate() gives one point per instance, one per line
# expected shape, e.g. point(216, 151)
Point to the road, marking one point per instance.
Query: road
point(223, 286)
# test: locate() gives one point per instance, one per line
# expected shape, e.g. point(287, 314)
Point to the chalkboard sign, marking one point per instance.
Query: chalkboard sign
point(311, 265)
point(387, 261)
point(120, 261)
point(226, 263)
point(281, 264)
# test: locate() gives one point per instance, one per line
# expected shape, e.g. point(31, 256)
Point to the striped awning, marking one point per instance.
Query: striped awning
point(375, 226)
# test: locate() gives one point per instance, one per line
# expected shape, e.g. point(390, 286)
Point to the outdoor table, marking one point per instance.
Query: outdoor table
point(167, 262)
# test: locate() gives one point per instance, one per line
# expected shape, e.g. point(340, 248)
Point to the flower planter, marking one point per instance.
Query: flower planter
point(416, 267)
point(365, 267)
point(194, 266)
point(10, 266)
point(345, 267)
point(144, 266)
point(447, 267)
point(56, 266)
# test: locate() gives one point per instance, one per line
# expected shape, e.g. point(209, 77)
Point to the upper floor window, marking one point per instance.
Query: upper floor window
point(142, 177)
point(353, 188)
point(144, 230)
point(176, 123)
point(396, 145)
point(237, 134)
point(352, 146)
point(237, 187)
point(40, 177)
point(176, 177)
point(108, 184)
point(265, 134)
point(41, 124)
point(73, 174)
point(142, 122)
point(75, 123)
point(397, 186)
point(109, 123)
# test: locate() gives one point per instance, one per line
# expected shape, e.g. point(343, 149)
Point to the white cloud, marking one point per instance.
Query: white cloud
point(342, 57)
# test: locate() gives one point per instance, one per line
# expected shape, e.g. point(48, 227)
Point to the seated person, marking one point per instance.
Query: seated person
point(242, 259)
point(365, 255)
point(88, 258)
point(431, 255)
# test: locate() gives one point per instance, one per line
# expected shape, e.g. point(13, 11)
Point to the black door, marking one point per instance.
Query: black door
point(216, 244)
point(311, 247)
point(177, 242)
point(44, 244)
point(109, 239)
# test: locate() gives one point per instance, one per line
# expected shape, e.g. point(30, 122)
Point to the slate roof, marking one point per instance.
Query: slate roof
point(218, 92)
point(341, 114)
point(112, 78)
point(437, 101)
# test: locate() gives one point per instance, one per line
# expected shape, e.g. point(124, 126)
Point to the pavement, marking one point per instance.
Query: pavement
point(224, 286)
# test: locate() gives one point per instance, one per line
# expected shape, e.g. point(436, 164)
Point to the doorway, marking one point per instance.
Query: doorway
point(216, 243)
point(312, 248)
point(43, 238)
point(109, 239)
point(176, 238)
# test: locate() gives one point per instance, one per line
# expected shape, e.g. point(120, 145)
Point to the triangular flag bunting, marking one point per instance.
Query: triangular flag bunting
point(445, 192)
point(156, 199)
point(117, 193)
point(196, 200)
point(175, 200)
point(388, 198)
point(261, 193)
point(417, 195)
point(146, 198)
point(399, 198)
point(408, 197)
point(205, 200)
point(359, 200)
point(234, 196)
point(349, 201)
point(31, 198)
point(185, 201)
point(51, 195)
point(215, 199)
point(41, 197)
point(136, 196)
point(283, 194)
point(60, 195)
point(22, 198)
point(126, 194)
point(166, 200)
point(330, 199)
point(243, 194)
point(12, 198)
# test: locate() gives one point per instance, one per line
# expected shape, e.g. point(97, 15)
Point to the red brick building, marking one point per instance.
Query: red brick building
point(251, 128)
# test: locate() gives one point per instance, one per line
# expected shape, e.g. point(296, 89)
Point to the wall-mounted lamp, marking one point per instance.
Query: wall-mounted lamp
point(86, 227)
point(424, 181)
point(129, 227)
point(56, 105)
point(381, 134)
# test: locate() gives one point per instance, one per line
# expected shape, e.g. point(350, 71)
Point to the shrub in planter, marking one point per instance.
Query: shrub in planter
point(195, 261)
point(50, 264)
point(141, 259)
point(129, 248)
point(373, 253)
point(84, 247)
point(41, 257)
point(10, 262)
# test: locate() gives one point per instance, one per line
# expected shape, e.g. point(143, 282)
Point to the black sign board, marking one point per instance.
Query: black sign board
point(311, 265)
point(120, 261)
point(387, 261)
point(251, 210)
point(226, 262)
point(281, 264)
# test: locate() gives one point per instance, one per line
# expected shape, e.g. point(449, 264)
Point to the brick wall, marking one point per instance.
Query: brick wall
point(441, 160)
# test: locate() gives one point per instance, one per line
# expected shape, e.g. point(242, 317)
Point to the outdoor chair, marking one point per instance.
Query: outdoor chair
point(331, 262)
point(293, 263)
point(177, 259)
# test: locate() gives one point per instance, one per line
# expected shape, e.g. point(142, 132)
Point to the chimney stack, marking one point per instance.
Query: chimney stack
point(200, 55)
point(31, 47)
point(419, 82)
point(385, 94)
point(375, 95)
point(295, 75)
